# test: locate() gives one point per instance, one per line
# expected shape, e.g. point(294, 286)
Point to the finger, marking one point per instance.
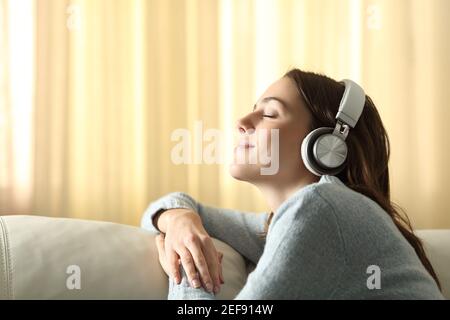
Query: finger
point(221, 268)
point(159, 244)
point(212, 260)
point(161, 253)
point(188, 264)
point(201, 264)
point(220, 255)
point(172, 264)
point(221, 276)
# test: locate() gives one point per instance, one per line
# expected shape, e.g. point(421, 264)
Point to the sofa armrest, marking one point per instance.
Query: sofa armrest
point(47, 258)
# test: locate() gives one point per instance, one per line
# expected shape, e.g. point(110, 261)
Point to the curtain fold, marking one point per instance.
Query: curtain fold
point(16, 105)
point(113, 79)
point(5, 114)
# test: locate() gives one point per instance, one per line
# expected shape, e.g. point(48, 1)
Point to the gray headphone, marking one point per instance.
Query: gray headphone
point(324, 150)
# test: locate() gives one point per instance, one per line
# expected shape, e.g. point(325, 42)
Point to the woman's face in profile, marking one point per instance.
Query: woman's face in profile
point(270, 136)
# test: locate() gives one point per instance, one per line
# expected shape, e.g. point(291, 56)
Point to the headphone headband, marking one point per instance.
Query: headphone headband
point(352, 103)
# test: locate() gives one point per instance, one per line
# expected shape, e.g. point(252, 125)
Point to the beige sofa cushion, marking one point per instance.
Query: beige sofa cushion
point(115, 261)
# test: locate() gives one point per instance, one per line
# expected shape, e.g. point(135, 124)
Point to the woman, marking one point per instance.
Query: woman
point(326, 232)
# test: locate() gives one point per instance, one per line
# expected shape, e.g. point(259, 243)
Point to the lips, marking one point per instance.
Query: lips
point(246, 145)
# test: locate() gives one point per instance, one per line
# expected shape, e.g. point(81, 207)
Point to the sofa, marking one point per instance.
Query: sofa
point(61, 258)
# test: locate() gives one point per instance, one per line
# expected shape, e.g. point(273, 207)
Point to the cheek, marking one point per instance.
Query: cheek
point(268, 140)
point(285, 139)
point(268, 135)
point(290, 145)
point(279, 143)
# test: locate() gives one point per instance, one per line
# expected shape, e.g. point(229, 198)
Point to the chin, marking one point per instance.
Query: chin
point(244, 172)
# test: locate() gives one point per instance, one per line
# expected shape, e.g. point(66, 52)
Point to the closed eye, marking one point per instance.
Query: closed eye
point(268, 116)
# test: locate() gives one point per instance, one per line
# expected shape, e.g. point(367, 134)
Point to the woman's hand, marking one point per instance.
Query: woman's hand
point(160, 239)
point(187, 241)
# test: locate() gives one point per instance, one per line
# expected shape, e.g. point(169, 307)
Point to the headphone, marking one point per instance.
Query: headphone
point(324, 150)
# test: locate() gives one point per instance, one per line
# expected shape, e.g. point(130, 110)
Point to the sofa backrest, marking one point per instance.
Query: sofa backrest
point(44, 257)
point(437, 247)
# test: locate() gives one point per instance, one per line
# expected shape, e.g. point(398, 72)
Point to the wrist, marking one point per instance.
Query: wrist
point(155, 219)
point(167, 217)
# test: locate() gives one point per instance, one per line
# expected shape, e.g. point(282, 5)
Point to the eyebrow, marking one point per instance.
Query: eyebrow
point(266, 99)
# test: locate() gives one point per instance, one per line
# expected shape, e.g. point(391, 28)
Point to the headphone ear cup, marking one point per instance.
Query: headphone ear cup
point(307, 153)
point(307, 150)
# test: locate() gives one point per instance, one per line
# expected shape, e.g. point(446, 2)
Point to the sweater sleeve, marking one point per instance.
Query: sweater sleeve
point(238, 229)
point(304, 257)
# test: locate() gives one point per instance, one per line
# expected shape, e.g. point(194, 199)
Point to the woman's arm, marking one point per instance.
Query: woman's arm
point(238, 229)
point(304, 257)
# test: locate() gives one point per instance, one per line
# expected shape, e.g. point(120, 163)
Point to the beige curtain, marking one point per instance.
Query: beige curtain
point(5, 117)
point(115, 78)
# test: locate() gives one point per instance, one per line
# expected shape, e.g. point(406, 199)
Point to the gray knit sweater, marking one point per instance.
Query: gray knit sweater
point(325, 241)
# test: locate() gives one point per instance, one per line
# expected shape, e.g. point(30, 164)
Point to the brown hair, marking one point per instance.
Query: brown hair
point(367, 169)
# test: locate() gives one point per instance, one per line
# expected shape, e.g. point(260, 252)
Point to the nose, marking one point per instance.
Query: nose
point(245, 125)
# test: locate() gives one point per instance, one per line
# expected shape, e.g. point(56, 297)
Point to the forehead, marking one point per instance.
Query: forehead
point(285, 89)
